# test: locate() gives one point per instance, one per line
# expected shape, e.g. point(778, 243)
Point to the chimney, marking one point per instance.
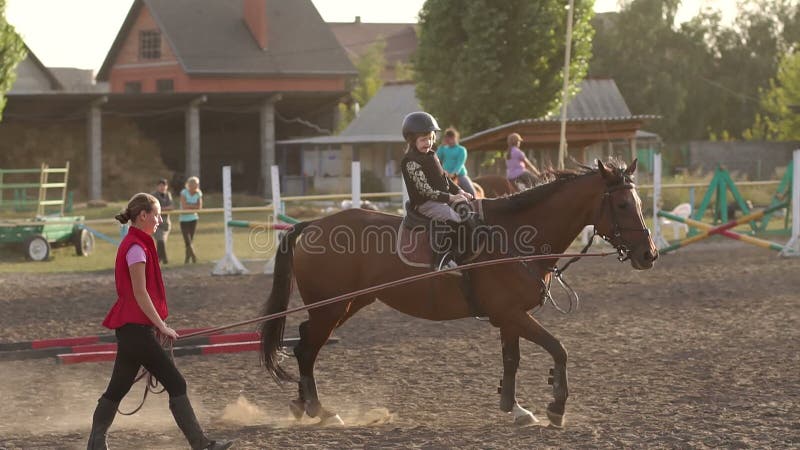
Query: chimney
point(255, 16)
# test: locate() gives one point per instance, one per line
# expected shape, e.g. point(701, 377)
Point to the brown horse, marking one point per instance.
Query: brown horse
point(479, 194)
point(355, 249)
point(496, 185)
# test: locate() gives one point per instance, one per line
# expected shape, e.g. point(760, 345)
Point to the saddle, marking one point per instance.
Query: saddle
point(414, 246)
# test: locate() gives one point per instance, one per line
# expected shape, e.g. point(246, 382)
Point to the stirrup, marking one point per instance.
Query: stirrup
point(448, 263)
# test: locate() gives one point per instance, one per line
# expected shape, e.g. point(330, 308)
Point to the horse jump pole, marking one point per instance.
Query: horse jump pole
point(792, 248)
point(724, 230)
point(229, 264)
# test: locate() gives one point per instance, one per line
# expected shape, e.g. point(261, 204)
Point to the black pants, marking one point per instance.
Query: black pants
point(138, 346)
point(188, 229)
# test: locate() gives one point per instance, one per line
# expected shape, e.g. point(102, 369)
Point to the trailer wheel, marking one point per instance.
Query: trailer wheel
point(36, 248)
point(84, 243)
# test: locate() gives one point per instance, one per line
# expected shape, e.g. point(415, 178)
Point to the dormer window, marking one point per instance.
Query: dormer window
point(150, 44)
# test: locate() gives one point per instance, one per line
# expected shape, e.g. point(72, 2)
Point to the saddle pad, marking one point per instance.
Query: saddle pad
point(413, 246)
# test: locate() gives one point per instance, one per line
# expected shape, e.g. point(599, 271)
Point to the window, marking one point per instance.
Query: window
point(149, 44)
point(133, 87)
point(165, 85)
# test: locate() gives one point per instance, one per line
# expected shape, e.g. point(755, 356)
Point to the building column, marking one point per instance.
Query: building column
point(94, 141)
point(267, 142)
point(192, 128)
point(634, 154)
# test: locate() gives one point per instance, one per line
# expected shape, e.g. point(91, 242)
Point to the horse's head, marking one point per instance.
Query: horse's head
point(620, 220)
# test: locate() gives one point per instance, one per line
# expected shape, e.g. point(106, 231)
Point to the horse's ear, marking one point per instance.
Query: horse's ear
point(632, 168)
point(603, 170)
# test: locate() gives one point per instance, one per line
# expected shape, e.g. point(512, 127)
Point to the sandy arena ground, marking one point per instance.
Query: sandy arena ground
point(701, 351)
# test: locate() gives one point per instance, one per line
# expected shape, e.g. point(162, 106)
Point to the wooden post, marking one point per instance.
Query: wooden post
point(94, 131)
point(192, 165)
point(267, 142)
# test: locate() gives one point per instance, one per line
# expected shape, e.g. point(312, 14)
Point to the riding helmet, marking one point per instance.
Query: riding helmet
point(418, 123)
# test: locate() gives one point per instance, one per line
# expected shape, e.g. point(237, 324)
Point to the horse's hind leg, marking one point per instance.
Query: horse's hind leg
point(508, 385)
point(526, 326)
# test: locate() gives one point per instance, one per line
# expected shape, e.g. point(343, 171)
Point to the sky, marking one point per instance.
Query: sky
point(78, 33)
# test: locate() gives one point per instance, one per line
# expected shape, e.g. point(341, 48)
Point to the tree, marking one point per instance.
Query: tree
point(370, 66)
point(483, 63)
point(653, 64)
point(12, 52)
point(746, 57)
point(702, 78)
point(779, 118)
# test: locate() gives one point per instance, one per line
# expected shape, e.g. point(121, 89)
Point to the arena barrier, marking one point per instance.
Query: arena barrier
point(724, 229)
point(104, 347)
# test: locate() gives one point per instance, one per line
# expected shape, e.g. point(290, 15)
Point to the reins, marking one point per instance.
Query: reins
point(152, 383)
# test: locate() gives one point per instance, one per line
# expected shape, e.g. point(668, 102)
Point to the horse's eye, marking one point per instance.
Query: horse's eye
point(623, 205)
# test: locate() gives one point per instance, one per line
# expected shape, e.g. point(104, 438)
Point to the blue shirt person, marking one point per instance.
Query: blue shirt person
point(453, 157)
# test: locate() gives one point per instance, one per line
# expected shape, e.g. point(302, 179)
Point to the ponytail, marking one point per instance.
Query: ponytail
point(124, 216)
point(138, 203)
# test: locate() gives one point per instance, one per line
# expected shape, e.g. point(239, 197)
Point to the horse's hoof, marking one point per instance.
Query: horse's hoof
point(523, 417)
point(297, 407)
point(332, 421)
point(556, 419)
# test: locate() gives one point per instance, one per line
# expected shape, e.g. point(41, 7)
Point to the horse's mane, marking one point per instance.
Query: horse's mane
point(555, 180)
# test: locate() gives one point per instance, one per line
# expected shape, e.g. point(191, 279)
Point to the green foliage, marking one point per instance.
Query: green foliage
point(483, 63)
point(370, 67)
point(403, 71)
point(12, 52)
point(703, 78)
point(780, 119)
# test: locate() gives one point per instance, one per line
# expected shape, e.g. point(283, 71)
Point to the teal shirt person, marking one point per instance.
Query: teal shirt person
point(453, 158)
point(191, 199)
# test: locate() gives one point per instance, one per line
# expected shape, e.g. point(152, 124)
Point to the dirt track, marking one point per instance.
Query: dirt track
point(702, 351)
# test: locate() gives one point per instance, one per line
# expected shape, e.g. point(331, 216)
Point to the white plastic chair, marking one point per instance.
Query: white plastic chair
point(683, 210)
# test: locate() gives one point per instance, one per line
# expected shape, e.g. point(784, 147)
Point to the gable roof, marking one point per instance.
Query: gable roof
point(378, 121)
point(210, 37)
point(598, 99)
point(55, 84)
point(597, 113)
point(357, 37)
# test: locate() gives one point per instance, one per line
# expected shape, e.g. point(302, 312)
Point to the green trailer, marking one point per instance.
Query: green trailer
point(35, 238)
point(50, 228)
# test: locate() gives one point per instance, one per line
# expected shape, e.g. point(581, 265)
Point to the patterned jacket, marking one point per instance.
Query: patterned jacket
point(425, 179)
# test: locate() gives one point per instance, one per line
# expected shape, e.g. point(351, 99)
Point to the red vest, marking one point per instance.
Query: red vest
point(126, 310)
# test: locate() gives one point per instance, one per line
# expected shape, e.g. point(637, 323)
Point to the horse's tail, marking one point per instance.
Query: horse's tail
point(272, 330)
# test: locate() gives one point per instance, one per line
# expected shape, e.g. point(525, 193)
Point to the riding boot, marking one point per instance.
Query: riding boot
point(184, 416)
point(101, 421)
point(443, 237)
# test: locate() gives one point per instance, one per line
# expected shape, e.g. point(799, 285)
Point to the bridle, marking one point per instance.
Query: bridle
point(615, 240)
point(623, 252)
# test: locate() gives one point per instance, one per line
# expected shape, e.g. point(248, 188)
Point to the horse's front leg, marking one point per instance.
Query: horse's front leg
point(529, 328)
point(508, 385)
